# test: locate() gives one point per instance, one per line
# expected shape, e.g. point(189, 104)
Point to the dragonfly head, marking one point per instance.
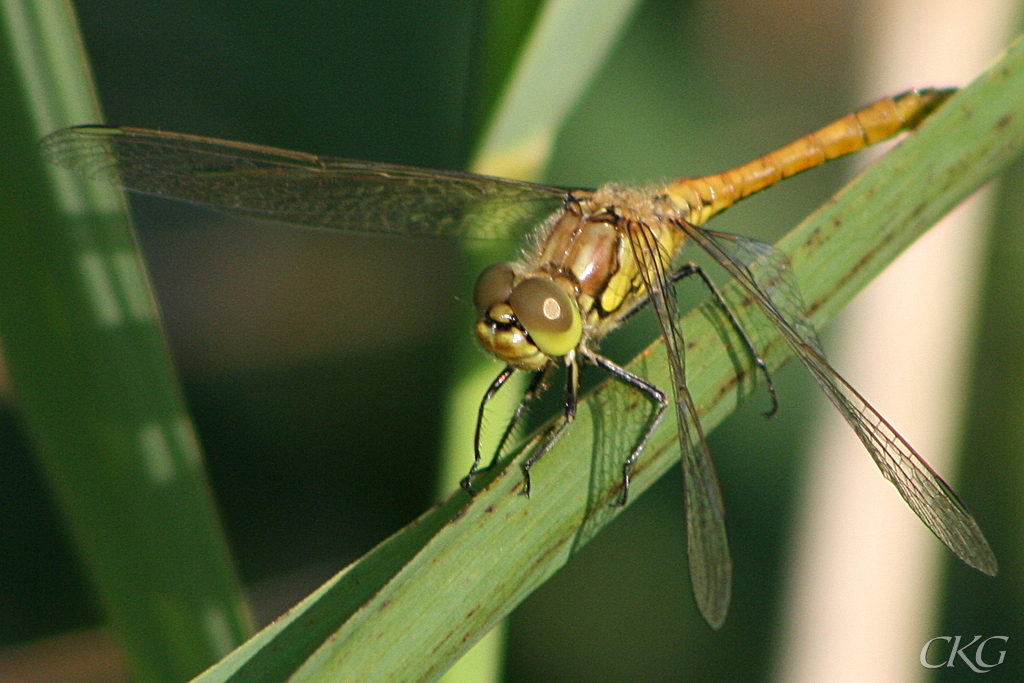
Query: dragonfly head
point(525, 321)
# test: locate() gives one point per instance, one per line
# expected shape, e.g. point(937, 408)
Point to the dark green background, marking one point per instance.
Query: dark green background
point(316, 364)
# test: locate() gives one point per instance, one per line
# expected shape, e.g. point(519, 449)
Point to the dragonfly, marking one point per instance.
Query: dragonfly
point(597, 257)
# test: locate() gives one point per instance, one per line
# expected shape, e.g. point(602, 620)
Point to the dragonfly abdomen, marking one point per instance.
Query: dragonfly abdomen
point(701, 198)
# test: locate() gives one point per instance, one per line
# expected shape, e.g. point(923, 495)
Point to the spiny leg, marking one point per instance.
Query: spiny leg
point(553, 432)
point(693, 268)
point(661, 402)
point(537, 386)
point(499, 381)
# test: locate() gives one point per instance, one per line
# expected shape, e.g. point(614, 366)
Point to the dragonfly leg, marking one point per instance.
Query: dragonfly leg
point(499, 381)
point(661, 402)
point(694, 269)
point(552, 434)
point(537, 386)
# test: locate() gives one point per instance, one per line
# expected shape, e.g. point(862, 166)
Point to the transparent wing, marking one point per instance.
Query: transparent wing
point(707, 542)
point(770, 269)
point(294, 187)
point(764, 273)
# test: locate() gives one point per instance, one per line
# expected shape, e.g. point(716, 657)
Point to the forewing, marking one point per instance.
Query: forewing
point(767, 279)
point(707, 542)
point(304, 189)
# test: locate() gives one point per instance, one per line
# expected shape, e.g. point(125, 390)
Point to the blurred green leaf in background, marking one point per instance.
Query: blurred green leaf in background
point(94, 386)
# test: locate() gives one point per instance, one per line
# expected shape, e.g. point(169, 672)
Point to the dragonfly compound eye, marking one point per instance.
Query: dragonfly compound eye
point(548, 314)
point(494, 286)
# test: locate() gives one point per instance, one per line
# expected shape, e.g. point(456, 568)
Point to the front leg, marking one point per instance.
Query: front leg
point(551, 436)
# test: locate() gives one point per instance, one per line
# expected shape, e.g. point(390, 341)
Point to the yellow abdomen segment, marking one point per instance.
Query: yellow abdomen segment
point(702, 198)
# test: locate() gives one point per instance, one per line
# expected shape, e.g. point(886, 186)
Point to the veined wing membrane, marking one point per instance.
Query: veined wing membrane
point(762, 271)
point(706, 540)
point(771, 270)
point(293, 187)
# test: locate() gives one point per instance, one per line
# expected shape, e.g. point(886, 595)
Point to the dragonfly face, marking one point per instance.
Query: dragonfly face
point(597, 258)
point(526, 321)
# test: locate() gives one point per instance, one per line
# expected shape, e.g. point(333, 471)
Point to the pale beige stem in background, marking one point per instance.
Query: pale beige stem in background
point(861, 600)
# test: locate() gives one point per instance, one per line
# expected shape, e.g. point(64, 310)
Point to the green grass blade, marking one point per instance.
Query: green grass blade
point(93, 377)
point(569, 43)
point(504, 30)
point(521, 72)
point(415, 603)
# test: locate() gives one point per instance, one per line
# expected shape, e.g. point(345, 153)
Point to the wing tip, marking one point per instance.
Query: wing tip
point(715, 619)
point(982, 558)
point(714, 596)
